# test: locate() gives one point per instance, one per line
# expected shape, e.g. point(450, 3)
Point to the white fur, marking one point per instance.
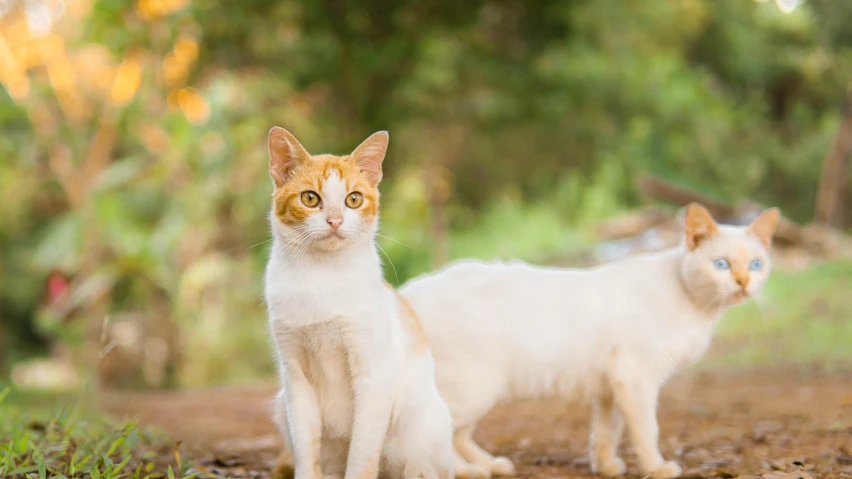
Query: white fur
point(611, 335)
point(357, 395)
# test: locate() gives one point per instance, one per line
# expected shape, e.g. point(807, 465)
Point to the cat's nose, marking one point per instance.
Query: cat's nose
point(334, 222)
point(742, 280)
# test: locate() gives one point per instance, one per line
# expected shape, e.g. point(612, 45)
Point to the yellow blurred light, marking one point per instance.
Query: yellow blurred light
point(151, 9)
point(174, 70)
point(97, 66)
point(104, 77)
point(18, 30)
point(18, 87)
point(28, 55)
point(193, 105)
point(50, 45)
point(7, 58)
point(12, 75)
point(26, 42)
point(127, 80)
point(172, 99)
point(78, 8)
point(186, 49)
point(145, 9)
point(61, 74)
point(176, 64)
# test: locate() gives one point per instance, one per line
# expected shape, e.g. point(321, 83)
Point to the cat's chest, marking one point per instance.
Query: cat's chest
point(312, 299)
point(688, 343)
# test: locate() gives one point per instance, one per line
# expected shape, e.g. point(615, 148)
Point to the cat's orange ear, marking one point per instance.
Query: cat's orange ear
point(764, 226)
point(699, 225)
point(285, 153)
point(370, 154)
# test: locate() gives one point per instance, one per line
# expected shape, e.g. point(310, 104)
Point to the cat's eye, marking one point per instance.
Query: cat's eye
point(721, 264)
point(310, 199)
point(354, 199)
point(755, 265)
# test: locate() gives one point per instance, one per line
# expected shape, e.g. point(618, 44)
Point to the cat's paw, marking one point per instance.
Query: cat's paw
point(669, 470)
point(502, 466)
point(472, 471)
point(612, 468)
point(332, 476)
point(284, 467)
point(283, 470)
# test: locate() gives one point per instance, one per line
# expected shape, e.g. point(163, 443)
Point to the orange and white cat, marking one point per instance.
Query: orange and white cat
point(358, 395)
point(611, 335)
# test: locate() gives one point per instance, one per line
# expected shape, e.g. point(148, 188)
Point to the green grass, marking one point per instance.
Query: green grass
point(39, 439)
point(802, 318)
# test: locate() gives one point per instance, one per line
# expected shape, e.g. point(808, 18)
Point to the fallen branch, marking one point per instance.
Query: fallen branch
point(816, 239)
point(668, 192)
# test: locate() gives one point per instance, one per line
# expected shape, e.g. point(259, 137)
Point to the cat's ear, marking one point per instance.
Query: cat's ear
point(699, 225)
point(764, 226)
point(285, 153)
point(370, 154)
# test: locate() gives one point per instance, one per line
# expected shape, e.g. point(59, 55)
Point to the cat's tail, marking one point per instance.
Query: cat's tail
point(284, 469)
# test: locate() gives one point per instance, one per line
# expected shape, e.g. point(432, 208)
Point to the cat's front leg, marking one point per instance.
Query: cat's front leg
point(469, 450)
point(373, 382)
point(299, 412)
point(637, 401)
point(466, 470)
point(607, 428)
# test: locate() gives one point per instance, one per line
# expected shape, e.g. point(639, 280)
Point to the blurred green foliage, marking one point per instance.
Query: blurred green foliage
point(523, 121)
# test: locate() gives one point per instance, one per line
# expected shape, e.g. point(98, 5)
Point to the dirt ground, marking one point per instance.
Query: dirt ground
point(774, 425)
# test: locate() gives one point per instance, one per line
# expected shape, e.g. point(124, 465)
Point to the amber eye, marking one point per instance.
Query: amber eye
point(310, 199)
point(354, 199)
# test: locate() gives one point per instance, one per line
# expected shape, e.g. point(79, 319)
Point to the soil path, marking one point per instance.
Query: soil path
point(778, 426)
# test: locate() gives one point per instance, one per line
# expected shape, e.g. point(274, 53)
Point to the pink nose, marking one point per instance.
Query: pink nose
point(334, 222)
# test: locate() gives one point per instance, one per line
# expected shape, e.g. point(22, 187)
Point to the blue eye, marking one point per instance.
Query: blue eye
point(755, 265)
point(721, 264)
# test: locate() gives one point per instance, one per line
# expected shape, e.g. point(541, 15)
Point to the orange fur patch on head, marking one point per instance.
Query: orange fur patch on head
point(295, 171)
point(699, 225)
point(410, 320)
point(764, 226)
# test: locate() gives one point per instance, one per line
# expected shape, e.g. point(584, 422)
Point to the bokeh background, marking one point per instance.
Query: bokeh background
point(133, 161)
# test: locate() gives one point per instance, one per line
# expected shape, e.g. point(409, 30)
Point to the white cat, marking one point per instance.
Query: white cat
point(358, 390)
point(611, 335)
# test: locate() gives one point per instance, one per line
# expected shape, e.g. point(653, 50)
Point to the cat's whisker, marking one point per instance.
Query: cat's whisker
point(296, 247)
point(396, 241)
point(716, 301)
point(296, 253)
point(295, 242)
point(758, 301)
point(391, 262)
point(304, 248)
point(258, 244)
